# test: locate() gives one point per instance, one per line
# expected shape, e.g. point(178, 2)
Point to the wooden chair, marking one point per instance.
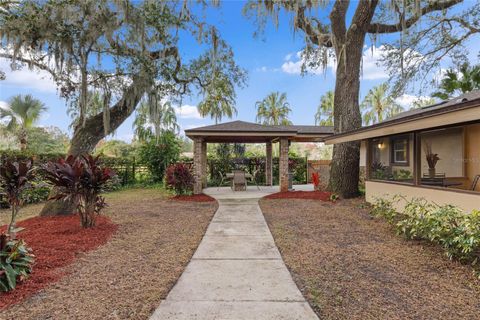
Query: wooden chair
point(475, 182)
point(239, 180)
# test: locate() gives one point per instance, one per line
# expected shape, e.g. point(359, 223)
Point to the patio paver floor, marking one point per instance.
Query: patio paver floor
point(237, 271)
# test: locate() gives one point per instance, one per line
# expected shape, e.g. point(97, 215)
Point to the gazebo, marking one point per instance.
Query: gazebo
point(247, 132)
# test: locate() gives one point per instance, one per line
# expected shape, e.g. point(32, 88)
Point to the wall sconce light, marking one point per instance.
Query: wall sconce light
point(380, 145)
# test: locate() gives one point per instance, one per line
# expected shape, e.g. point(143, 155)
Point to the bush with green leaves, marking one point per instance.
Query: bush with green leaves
point(383, 208)
point(16, 262)
point(179, 178)
point(158, 154)
point(457, 232)
point(417, 219)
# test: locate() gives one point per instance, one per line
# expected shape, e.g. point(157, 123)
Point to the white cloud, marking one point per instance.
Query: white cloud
point(28, 79)
point(407, 101)
point(293, 64)
point(4, 105)
point(187, 112)
point(370, 68)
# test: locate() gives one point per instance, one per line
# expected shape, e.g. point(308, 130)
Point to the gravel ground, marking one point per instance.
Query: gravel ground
point(129, 276)
point(351, 266)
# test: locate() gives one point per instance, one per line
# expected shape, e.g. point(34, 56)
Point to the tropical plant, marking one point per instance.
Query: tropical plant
point(80, 180)
point(15, 262)
point(324, 114)
point(383, 207)
point(158, 154)
point(273, 110)
point(179, 178)
point(456, 82)
point(15, 177)
point(220, 100)
point(432, 158)
point(154, 116)
point(22, 113)
point(378, 105)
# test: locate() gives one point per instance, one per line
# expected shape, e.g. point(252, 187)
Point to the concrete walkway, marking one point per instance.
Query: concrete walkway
point(237, 271)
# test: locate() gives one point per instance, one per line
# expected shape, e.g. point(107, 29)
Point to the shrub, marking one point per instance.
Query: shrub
point(15, 262)
point(457, 232)
point(15, 178)
point(179, 178)
point(157, 155)
point(80, 180)
point(383, 208)
point(417, 218)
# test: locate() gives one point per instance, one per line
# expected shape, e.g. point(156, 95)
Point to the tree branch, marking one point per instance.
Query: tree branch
point(399, 26)
point(315, 36)
point(337, 18)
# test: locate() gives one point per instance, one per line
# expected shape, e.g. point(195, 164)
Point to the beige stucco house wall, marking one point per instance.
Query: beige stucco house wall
point(465, 201)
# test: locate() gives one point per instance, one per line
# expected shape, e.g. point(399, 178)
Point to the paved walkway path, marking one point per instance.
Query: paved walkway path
point(236, 272)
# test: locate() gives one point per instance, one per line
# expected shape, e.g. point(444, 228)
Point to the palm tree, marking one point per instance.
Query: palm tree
point(324, 114)
point(456, 82)
point(273, 110)
point(378, 105)
point(152, 118)
point(220, 101)
point(23, 113)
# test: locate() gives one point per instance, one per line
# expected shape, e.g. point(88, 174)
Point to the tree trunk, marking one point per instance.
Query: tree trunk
point(86, 137)
point(344, 174)
point(23, 139)
point(348, 45)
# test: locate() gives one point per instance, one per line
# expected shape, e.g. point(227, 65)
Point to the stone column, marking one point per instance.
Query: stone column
point(204, 164)
point(283, 168)
point(268, 165)
point(198, 165)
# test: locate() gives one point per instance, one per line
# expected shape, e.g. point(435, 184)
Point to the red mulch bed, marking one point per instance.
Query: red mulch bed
point(195, 198)
point(56, 242)
point(310, 195)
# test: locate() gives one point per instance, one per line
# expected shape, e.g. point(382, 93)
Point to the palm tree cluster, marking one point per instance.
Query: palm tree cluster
point(456, 82)
point(153, 118)
point(273, 110)
point(324, 114)
point(21, 114)
point(379, 105)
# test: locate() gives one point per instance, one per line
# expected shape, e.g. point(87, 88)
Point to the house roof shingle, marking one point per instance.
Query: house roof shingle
point(243, 126)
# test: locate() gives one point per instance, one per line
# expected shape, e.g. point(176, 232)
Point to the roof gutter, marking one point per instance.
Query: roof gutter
point(369, 132)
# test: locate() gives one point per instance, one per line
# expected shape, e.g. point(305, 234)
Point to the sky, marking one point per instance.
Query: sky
point(272, 62)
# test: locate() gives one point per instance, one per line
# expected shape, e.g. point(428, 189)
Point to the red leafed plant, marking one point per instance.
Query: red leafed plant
point(15, 178)
point(80, 180)
point(316, 180)
point(179, 178)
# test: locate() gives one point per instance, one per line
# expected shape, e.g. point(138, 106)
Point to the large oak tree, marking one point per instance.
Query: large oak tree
point(125, 50)
point(337, 30)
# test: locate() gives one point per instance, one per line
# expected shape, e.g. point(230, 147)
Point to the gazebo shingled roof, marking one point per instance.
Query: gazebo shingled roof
point(242, 131)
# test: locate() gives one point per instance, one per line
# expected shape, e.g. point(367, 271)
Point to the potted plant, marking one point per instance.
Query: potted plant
point(432, 159)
